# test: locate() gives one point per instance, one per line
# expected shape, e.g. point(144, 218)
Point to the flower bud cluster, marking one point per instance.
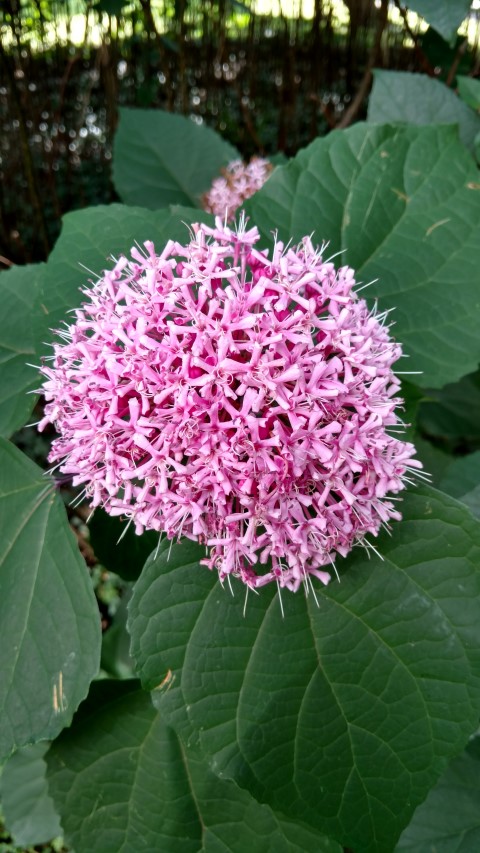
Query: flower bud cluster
point(242, 401)
point(238, 182)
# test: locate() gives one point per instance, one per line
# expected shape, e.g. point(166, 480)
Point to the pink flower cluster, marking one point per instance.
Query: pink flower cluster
point(238, 182)
point(211, 392)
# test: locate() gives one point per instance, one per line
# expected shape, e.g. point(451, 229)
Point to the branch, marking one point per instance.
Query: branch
point(421, 56)
point(462, 48)
point(38, 214)
point(351, 113)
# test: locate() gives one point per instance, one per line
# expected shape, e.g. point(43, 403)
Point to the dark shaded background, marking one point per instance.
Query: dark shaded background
point(266, 83)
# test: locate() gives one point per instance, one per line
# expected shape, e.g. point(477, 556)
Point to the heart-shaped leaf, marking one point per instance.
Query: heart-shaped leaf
point(122, 780)
point(341, 714)
point(445, 16)
point(160, 158)
point(22, 320)
point(452, 414)
point(469, 91)
point(26, 805)
point(399, 96)
point(462, 480)
point(49, 620)
point(171, 575)
point(449, 819)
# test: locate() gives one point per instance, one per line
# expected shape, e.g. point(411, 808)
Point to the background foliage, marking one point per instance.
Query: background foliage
point(265, 82)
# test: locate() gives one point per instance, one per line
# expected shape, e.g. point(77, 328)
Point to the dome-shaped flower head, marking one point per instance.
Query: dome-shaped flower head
point(238, 182)
point(242, 401)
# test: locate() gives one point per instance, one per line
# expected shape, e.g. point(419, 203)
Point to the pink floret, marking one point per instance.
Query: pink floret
point(243, 402)
point(238, 182)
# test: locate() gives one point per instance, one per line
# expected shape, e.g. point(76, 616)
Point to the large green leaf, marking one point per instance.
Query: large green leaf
point(20, 329)
point(469, 91)
point(452, 414)
point(122, 781)
point(49, 621)
point(445, 16)
point(173, 576)
point(462, 480)
point(403, 205)
point(160, 158)
point(399, 96)
point(434, 460)
point(342, 714)
point(449, 819)
point(27, 807)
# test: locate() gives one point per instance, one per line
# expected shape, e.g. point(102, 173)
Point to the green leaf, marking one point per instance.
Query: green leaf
point(343, 714)
point(173, 576)
point(117, 546)
point(122, 780)
point(434, 460)
point(452, 414)
point(160, 158)
point(462, 480)
point(21, 328)
point(445, 16)
point(28, 809)
point(399, 96)
point(403, 206)
point(469, 91)
point(449, 819)
point(412, 397)
point(49, 619)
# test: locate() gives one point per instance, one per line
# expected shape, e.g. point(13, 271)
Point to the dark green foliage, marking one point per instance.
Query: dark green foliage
point(27, 806)
point(118, 547)
point(20, 295)
point(469, 91)
point(418, 99)
point(124, 781)
point(451, 415)
point(50, 625)
point(448, 821)
point(344, 712)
